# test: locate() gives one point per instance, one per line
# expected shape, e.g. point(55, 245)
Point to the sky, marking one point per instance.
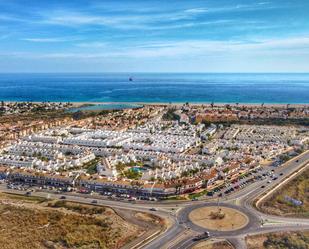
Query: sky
point(154, 36)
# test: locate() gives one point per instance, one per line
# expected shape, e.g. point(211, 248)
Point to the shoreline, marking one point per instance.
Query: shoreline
point(233, 104)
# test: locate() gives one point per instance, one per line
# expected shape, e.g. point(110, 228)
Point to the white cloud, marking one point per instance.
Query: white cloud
point(92, 45)
point(153, 21)
point(196, 10)
point(187, 49)
point(51, 39)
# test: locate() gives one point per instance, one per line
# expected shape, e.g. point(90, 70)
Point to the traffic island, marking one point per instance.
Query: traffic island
point(218, 218)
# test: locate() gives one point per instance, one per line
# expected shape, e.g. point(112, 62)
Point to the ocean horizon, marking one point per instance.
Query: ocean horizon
point(251, 88)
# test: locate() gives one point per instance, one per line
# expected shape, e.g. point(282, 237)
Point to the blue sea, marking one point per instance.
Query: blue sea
point(156, 87)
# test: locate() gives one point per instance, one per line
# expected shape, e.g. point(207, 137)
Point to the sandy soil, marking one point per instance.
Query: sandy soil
point(232, 220)
point(279, 240)
point(28, 222)
point(213, 244)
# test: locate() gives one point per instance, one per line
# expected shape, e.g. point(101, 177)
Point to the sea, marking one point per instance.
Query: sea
point(156, 87)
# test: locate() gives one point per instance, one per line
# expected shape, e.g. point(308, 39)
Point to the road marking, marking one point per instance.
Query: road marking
point(304, 165)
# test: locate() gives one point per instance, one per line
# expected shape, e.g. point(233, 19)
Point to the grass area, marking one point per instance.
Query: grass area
point(91, 167)
point(35, 225)
point(30, 198)
point(82, 209)
point(132, 174)
point(197, 195)
point(294, 240)
point(176, 198)
point(297, 189)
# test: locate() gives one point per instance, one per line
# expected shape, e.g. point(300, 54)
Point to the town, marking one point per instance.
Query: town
point(159, 152)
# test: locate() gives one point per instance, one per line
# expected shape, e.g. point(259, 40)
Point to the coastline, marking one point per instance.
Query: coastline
point(93, 103)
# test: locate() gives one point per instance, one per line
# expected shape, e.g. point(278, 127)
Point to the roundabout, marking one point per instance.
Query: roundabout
point(218, 218)
point(223, 220)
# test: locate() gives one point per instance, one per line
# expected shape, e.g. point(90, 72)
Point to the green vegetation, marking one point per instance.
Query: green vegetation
point(170, 115)
point(43, 158)
point(132, 174)
point(197, 195)
point(176, 198)
point(82, 209)
point(284, 158)
point(191, 172)
point(280, 240)
point(18, 197)
point(295, 241)
point(91, 167)
point(226, 170)
point(121, 166)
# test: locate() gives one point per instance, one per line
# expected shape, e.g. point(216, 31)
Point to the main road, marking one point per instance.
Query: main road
point(181, 231)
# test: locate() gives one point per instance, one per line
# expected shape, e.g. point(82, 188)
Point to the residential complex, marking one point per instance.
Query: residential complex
point(156, 157)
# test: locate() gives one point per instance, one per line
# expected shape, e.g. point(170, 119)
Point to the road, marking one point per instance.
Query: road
point(181, 230)
point(241, 200)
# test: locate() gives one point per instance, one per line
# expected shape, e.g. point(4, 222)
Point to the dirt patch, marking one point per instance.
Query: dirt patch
point(279, 240)
point(232, 219)
point(30, 223)
point(147, 217)
point(281, 202)
point(213, 245)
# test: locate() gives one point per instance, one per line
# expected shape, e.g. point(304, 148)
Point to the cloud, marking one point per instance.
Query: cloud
point(196, 10)
point(51, 39)
point(92, 45)
point(9, 18)
point(128, 20)
point(186, 49)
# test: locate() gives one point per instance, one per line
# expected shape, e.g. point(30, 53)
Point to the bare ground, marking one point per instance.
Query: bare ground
point(282, 240)
point(31, 222)
point(297, 189)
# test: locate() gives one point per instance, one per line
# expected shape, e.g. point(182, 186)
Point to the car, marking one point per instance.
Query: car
point(269, 181)
point(62, 197)
point(220, 195)
point(281, 174)
point(204, 235)
point(297, 161)
point(263, 186)
point(94, 201)
point(153, 209)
